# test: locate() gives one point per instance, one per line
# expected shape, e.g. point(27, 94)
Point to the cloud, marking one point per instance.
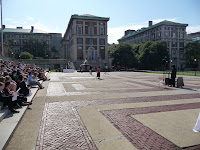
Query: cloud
point(116, 33)
point(193, 29)
point(29, 18)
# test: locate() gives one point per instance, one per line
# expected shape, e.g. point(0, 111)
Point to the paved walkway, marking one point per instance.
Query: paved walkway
point(124, 110)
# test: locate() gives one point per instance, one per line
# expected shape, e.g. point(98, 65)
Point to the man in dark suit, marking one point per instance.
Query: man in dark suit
point(173, 75)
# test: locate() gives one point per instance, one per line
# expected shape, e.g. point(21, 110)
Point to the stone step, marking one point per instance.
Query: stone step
point(3, 113)
point(9, 121)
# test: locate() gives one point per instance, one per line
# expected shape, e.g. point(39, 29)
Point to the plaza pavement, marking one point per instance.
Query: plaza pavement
point(122, 111)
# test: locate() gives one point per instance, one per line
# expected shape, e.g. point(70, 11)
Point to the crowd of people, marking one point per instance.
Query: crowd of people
point(16, 81)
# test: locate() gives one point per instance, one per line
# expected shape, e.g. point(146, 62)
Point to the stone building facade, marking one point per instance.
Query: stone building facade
point(173, 33)
point(20, 37)
point(86, 38)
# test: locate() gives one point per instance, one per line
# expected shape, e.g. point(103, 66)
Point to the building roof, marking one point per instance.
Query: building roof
point(165, 22)
point(85, 16)
point(88, 16)
point(195, 33)
point(20, 30)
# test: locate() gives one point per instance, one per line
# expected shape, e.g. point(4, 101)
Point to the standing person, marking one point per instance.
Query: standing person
point(98, 72)
point(173, 75)
point(106, 69)
point(91, 70)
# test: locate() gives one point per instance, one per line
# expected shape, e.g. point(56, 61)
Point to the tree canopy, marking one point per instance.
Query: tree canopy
point(26, 55)
point(123, 55)
point(192, 53)
point(37, 47)
point(151, 55)
point(148, 55)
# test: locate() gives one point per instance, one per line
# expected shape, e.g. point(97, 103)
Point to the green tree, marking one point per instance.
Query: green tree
point(26, 55)
point(151, 55)
point(37, 47)
point(123, 55)
point(10, 47)
point(192, 52)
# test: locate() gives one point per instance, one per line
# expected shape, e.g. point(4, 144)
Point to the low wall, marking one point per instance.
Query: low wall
point(46, 63)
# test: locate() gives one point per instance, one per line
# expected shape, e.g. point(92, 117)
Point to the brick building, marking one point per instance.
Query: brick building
point(173, 33)
point(20, 38)
point(86, 38)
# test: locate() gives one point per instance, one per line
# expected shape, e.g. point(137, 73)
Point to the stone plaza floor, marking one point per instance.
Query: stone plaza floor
point(122, 111)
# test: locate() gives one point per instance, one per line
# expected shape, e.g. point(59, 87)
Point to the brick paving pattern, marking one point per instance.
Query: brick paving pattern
point(139, 135)
point(62, 128)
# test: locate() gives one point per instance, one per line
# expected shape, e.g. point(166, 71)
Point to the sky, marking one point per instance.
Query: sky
point(53, 15)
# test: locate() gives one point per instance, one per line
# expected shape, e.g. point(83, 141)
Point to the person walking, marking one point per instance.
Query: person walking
point(98, 72)
point(90, 70)
point(173, 75)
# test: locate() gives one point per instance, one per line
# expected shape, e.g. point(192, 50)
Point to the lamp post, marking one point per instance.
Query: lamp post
point(1, 32)
point(195, 60)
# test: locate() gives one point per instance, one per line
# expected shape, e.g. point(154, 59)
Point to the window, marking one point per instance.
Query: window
point(47, 42)
point(79, 30)
point(101, 23)
point(101, 31)
point(79, 22)
point(181, 44)
point(181, 35)
point(174, 53)
point(15, 42)
point(102, 42)
point(166, 34)
point(91, 30)
point(174, 35)
point(174, 44)
point(91, 41)
point(24, 41)
point(91, 23)
point(80, 41)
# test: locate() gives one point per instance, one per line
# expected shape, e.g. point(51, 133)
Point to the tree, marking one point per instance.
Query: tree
point(192, 52)
point(151, 55)
point(123, 55)
point(26, 55)
point(37, 47)
point(10, 46)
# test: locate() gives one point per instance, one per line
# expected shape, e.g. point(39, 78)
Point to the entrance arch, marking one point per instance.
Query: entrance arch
point(91, 53)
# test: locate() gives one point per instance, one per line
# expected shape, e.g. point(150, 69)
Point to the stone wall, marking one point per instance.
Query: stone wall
point(46, 63)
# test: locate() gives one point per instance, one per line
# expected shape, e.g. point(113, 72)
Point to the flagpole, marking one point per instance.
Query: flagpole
point(2, 33)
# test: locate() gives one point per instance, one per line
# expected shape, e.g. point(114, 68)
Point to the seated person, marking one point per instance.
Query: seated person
point(42, 75)
point(7, 100)
point(13, 84)
point(21, 84)
point(17, 101)
point(2, 79)
point(31, 81)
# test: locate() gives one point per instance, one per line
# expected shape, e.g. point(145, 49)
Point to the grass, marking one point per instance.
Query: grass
point(54, 70)
point(185, 73)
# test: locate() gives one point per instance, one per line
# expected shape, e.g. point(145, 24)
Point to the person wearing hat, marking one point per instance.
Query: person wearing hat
point(173, 75)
